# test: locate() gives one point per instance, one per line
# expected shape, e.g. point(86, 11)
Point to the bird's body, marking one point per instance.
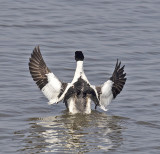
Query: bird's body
point(78, 94)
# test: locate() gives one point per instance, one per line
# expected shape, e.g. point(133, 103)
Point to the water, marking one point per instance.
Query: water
point(104, 30)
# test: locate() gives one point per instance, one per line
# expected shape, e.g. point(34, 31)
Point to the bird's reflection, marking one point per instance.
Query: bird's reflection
point(73, 133)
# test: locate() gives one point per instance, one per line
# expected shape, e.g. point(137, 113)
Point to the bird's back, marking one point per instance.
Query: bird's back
point(78, 96)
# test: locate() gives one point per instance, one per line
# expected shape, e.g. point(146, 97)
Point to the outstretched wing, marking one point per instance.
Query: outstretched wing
point(111, 88)
point(118, 78)
point(48, 83)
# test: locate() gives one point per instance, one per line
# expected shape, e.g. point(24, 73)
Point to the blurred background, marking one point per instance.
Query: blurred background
point(104, 30)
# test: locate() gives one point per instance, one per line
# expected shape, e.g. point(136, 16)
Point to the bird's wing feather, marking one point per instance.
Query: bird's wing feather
point(48, 83)
point(111, 88)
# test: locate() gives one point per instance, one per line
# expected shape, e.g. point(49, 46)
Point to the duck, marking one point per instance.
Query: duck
point(79, 93)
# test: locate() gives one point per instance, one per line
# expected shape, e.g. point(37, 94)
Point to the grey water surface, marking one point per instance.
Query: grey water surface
point(104, 30)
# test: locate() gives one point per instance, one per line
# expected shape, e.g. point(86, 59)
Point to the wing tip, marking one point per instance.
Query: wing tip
point(38, 68)
point(119, 78)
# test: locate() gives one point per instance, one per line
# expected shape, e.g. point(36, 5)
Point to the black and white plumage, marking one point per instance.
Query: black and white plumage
point(78, 94)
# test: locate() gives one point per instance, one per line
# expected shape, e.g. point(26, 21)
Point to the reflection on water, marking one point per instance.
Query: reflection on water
point(72, 133)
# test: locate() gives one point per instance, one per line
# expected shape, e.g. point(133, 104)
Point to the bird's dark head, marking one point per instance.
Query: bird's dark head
point(79, 56)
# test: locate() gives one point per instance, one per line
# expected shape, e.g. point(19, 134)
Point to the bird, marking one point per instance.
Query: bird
point(79, 93)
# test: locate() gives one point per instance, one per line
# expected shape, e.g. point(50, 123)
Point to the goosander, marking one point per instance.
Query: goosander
point(78, 94)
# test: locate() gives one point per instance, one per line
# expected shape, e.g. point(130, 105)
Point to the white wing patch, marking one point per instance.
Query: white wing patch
point(106, 95)
point(52, 89)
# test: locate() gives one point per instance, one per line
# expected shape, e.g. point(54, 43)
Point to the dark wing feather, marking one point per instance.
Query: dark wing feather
point(48, 83)
point(118, 77)
point(38, 68)
point(111, 88)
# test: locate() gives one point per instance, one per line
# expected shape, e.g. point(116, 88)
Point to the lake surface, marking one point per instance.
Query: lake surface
point(104, 30)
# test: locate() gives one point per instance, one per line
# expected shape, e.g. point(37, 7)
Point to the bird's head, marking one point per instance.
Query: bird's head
point(79, 56)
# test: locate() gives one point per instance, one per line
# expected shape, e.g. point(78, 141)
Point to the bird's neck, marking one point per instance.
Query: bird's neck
point(79, 71)
point(79, 68)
